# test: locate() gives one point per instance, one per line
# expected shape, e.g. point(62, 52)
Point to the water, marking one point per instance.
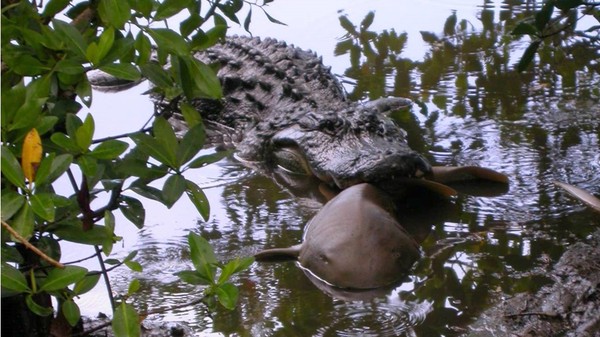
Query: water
point(536, 127)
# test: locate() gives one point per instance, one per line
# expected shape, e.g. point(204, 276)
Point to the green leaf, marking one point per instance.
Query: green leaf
point(197, 79)
point(69, 66)
point(234, 266)
point(49, 246)
point(122, 49)
point(36, 308)
point(112, 262)
point(190, 115)
point(543, 16)
point(144, 7)
point(109, 225)
point(134, 286)
point(272, 19)
point(43, 205)
point(203, 257)
point(11, 254)
point(46, 123)
point(27, 114)
point(11, 278)
point(130, 256)
point(157, 75)
point(124, 71)
point(343, 47)
point(528, 55)
point(74, 232)
point(142, 169)
point(86, 284)
point(193, 22)
point(144, 47)
point(11, 101)
point(248, 20)
point(198, 198)
point(126, 322)
point(202, 40)
point(192, 277)
point(151, 146)
point(133, 210)
point(114, 12)
point(173, 189)
point(96, 52)
point(23, 222)
point(109, 149)
point(85, 133)
point(347, 25)
point(105, 43)
point(11, 203)
point(208, 159)
point(58, 279)
point(51, 168)
point(11, 168)
point(134, 265)
point(524, 28)
point(71, 35)
point(228, 295)
point(88, 165)
point(169, 41)
point(71, 312)
point(191, 144)
point(149, 192)
point(65, 142)
point(27, 65)
point(73, 123)
point(367, 21)
point(168, 8)
point(566, 5)
point(166, 138)
point(54, 6)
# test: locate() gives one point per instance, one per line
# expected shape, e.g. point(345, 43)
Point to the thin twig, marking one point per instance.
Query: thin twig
point(81, 260)
point(105, 275)
point(33, 248)
point(100, 140)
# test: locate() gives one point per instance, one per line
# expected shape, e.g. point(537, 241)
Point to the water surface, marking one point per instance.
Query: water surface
point(472, 109)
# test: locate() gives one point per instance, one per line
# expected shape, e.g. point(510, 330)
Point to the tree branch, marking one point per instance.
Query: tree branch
point(31, 247)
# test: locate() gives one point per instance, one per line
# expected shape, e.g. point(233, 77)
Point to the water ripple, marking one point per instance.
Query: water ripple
point(378, 318)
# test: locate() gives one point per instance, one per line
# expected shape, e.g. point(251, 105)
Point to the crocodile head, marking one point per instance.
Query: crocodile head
point(342, 148)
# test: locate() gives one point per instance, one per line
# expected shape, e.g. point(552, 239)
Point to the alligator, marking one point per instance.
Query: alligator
point(282, 108)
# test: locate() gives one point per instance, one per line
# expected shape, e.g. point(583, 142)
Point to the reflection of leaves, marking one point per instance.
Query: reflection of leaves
point(373, 57)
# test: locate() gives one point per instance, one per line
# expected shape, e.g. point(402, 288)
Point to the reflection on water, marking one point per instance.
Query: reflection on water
point(536, 127)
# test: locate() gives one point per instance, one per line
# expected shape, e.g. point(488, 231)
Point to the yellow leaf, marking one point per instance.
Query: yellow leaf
point(31, 155)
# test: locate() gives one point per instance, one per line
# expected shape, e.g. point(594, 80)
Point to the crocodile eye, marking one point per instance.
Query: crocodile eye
point(291, 160)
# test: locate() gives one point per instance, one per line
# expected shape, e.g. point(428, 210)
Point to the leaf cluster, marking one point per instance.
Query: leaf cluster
point(47, 53)
point(553, 18)
point(219, 288)
point(381, 51)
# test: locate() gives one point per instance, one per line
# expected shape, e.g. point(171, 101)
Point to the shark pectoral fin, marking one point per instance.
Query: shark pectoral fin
point(432, 186)
point(278, 254)
point(581, 195)
point(448, 174)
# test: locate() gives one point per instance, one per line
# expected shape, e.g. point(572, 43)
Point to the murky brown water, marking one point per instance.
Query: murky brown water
point(535, 127)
